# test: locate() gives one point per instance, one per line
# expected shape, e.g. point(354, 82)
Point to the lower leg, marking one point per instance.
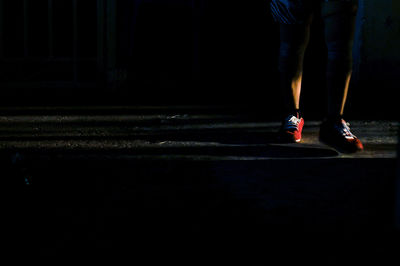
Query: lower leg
point(294, 40)
point(339, 19)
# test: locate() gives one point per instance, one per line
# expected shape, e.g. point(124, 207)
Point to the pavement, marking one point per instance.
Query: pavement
point(194, 134)
point(99, 180)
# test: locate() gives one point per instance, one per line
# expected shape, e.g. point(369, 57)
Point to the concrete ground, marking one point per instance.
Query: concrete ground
point(102, 180)
point(198, 135)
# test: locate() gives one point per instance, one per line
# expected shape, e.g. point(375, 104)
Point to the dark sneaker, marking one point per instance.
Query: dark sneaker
point(291, 129)
point(338, 135)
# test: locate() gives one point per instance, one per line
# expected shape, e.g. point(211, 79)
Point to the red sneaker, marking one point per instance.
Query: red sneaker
point(338, 135)
point(291, 129)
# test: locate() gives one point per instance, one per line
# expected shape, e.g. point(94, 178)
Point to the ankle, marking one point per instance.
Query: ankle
point(295, 112)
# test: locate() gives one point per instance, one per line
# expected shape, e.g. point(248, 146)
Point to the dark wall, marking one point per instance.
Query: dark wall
point(159, 52)
point(209, 51)
point(40, 62)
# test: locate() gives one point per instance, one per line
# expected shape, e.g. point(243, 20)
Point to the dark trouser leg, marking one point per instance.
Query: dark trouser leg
point(293, 43)
point(339, 19)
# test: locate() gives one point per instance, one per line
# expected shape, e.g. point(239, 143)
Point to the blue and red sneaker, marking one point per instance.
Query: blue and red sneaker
point(338, 135)
point(291, 129)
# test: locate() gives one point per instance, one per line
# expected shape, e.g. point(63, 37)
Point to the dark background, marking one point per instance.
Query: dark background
point(177, 52)
point(183, 52)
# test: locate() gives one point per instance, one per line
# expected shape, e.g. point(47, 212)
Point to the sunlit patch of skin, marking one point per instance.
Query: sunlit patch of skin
point(296, 89)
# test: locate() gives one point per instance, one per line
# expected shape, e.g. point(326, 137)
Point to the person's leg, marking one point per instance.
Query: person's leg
point(293, 43)
point(339, 18)
point(294, 18)
point(339, 21)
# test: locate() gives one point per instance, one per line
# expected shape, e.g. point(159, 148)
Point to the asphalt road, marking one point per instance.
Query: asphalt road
point(180, 185)
point(215, 132)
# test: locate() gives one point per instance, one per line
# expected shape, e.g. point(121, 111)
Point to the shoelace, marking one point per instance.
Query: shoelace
point(292, 122)
point(344, 129)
